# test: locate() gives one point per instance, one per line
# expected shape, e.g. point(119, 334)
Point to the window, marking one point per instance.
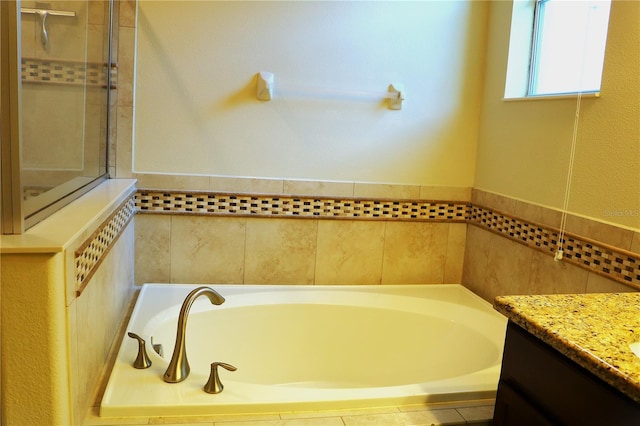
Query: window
point(568, 46)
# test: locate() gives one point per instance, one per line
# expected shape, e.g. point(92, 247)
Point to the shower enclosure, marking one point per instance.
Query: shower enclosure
point(57, 78)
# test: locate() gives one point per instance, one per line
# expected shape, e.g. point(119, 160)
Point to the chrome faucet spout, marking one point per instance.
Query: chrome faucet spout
point(178, 368)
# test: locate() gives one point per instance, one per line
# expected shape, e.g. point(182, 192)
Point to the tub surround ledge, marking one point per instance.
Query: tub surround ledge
point(593, 330)
point(60, 230)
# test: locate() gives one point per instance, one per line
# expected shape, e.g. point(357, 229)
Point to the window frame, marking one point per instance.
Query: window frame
point(535, 49)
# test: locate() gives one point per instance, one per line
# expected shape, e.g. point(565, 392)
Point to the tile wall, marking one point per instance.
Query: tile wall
point(497, 246)
point(94, 318)
point(174, 245)
point(99, 285)
point(498, 263)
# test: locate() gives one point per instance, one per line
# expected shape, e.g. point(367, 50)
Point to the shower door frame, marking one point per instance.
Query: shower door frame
point(14, 219)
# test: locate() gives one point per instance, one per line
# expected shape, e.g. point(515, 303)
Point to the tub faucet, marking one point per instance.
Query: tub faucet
point(178, 369)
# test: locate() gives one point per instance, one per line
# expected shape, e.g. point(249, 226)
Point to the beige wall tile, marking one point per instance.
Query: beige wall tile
point(414, 253)
point(537, 214)
point(596, 283)
point(476, 258)
point(493, 201)
point(635, 243)
point(508, 268)
point(318, 188)
point(455, 253)
point(245, 185)
point(98, 311)
point(373, 190)
point(174, 182)
point(126, 54)
point(549, 276)
point(349, 252)
point(445, 193)
point(603, 232)
point(207, 249)
point(127, 16)
point(124, 147)
point(280, 251)
point(153, 248)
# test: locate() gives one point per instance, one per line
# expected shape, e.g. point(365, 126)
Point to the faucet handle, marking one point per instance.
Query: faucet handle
point(214, 385)
point(142, 360)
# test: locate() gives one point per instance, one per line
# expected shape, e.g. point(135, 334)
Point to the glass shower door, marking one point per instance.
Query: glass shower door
point(65, 80)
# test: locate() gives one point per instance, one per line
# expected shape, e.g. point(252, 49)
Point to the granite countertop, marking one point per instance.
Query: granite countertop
point(593, 330)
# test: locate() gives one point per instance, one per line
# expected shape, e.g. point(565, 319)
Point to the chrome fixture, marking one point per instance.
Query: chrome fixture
point(214, 385)
point(142, 360)
point(178, 368)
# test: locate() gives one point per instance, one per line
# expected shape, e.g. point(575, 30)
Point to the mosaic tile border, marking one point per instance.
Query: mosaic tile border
point(301, 207)
point(35, 70)
point(90, 255)
point(613, 263)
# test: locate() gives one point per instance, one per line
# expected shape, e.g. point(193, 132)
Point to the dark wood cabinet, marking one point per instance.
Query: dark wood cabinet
point(540, 386)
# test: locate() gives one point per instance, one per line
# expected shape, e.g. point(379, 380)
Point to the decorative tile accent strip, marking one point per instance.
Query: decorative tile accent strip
point(287, 206)
point(613, 263)
point(65, 72)
point(90, 255)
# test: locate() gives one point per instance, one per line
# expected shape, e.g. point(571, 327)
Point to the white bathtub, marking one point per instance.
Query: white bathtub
point(311, 348)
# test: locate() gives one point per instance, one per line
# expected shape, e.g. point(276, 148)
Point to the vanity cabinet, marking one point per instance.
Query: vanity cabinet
point(540, 386)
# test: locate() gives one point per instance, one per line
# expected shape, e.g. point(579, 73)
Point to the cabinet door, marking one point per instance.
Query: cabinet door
point(513, 409)
point(557, 388)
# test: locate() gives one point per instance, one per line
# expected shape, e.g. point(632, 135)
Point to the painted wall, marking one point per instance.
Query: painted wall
point(196, 111)
point(524, 147)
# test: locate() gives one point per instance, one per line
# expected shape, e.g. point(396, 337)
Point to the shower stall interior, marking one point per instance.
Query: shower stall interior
point(57, 82)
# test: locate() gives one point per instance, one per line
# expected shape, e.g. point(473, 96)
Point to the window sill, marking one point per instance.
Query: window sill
point(553, 97)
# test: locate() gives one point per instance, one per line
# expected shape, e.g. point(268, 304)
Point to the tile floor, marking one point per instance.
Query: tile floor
point(469, 413)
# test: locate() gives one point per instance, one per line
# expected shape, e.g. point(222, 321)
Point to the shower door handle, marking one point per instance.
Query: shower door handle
point(44, 35)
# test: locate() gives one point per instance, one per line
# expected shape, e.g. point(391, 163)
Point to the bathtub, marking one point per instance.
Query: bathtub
point(299, 348)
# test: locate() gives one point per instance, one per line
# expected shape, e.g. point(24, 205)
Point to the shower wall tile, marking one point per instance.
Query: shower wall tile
point(386, 191)
point(28, 27)
point(153, 249)
point(445, 193)
point(207, 250)
point(127, 13)
point(318, 188)
point(280, 251)
point(349, 252)
point(126, 57)
point(245, 185)
point(96, 12)
point(124, 152)
point(455, 253)
point(549, 276)
point(414, 253)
